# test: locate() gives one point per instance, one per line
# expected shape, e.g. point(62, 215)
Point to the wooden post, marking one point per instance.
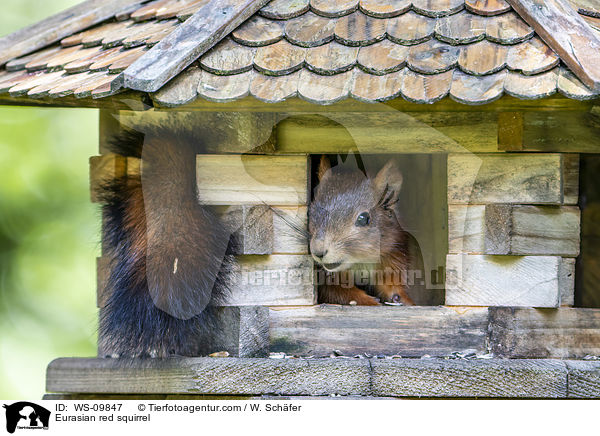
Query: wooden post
point(510, 131)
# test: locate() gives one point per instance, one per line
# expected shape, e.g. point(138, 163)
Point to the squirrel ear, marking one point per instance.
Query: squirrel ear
point(389, 176)
point(324, 165)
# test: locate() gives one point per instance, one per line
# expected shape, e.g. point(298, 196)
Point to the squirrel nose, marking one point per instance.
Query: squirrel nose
point(319, 253)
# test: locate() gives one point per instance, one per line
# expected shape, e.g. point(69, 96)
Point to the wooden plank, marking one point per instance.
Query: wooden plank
point(537, 230)
point(211, 23)
point(514, 229)
point(505, 178)
point(252, 179)
point(570, 177)
point(275, 280)
point(510, 131)
point(241, 331)
point(541, 333)
point(314, 377)
point(102, 274)
point(566, 282)
point(421, 132)
point(505, 103)
point(466, 229)
point(575, 132)
point(207, 375)
point(563, 29)
point(103, 169)
point(109, 127)
point(289, 225)
point(476, 280)
point(108, 167)
point(125, 100)
point(408, 331)
point(58, 26)
point(583, 379)
point(219, 132)
point(470, 378)
point(252, 228)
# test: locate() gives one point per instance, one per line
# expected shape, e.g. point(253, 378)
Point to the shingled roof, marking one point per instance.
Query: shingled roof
point(323, 51)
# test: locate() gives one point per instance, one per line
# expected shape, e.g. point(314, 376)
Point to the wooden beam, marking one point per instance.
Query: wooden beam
point(315, 377)
point(58, 26)
point(210, 375)
point(104, 169)
point(252, 179)
point(470, 378)
point(127, 100)
point(251, 227)
point(372, 132)
point(102, 274)
point(475, 280)
point(211, 23)
point(565, 333)
point(510, 131)
point(514, 229)
point(140, 101)
point(109, 127)
point(503, 104)
point(524, 178)
point(241, 331)
point(287, 221)
point(276, 280)
point(584, 379)
point(408, 331)
point(567, 33)
point(565, 131)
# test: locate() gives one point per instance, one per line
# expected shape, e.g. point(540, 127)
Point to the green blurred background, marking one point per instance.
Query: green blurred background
point(49, 230)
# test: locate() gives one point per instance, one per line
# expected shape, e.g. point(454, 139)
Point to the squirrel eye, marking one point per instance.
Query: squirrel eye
point(363, 219)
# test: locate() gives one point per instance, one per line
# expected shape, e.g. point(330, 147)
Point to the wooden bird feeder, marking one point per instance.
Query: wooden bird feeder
point(491, 108)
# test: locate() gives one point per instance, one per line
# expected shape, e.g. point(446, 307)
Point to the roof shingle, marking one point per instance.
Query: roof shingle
point(322, 51)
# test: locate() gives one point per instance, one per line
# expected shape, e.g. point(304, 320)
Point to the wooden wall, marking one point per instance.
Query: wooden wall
point(507, 226)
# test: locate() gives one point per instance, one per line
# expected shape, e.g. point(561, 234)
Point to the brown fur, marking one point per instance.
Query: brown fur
point(378, 248)
point(167, 251)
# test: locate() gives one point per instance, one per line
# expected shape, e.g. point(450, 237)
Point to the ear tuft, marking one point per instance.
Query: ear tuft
point(324, 166)
point(388, 177)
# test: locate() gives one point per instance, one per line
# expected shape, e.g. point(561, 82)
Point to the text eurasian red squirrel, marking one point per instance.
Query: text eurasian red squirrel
point(168, 251)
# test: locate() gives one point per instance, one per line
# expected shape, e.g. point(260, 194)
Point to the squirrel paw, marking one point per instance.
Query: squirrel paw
point(366, 300)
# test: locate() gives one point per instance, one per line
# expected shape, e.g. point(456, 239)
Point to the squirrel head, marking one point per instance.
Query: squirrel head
point(351, 218)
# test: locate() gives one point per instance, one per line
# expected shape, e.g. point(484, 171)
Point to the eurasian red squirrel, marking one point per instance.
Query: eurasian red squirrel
point(356, 237)
point(167, 251)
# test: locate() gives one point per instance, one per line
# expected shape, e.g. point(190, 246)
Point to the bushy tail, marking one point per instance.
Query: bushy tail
point(167, 251)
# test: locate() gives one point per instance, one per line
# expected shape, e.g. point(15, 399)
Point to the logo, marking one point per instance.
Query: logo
point(25, 415)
